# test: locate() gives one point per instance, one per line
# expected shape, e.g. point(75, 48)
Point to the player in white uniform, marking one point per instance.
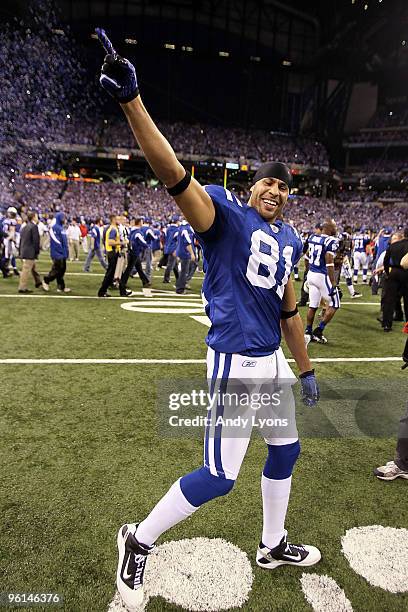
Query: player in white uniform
point(360, 257)
point(321, 280)
point(249, 297)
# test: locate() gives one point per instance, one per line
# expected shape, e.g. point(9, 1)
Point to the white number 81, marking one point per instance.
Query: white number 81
point(270, 260)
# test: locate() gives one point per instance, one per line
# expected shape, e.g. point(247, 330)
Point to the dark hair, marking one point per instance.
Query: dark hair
point(138, 220)
point(406, 232)
point(111, 217)
point(31, 215)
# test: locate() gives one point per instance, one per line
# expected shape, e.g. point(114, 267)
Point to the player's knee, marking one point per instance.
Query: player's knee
point(281, 460)
point(201, 486)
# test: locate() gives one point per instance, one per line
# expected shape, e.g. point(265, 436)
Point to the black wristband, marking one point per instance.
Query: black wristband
point(181, 185)
point(288, 314)
point(308, 373)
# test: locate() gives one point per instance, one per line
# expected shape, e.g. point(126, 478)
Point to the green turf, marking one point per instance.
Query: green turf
point(81, 453)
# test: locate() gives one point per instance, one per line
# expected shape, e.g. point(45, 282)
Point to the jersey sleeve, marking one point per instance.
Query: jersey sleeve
point(226, 204)
point(297, 246)
point(331, 245)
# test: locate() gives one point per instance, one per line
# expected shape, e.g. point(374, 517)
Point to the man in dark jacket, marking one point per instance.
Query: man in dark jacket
point(29, 251)
point(396, 279)
point(59, 254)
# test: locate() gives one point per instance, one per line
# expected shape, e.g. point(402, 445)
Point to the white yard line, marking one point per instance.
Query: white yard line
point(137, 294)
point(179, 361)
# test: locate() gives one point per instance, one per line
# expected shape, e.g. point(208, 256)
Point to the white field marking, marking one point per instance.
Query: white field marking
point(156, 308)
point(195, 575)
point(324, 594)
point(179, 361)
point(379, 554)
point(103, 274)
point(138, 292)
point(202, 319)
point(194, 296)
point(102, 361)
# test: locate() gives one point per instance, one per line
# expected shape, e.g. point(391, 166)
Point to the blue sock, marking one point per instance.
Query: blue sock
point(322, 325)
point(309, 329)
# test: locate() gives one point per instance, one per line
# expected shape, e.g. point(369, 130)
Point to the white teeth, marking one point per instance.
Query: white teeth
point(271, 202)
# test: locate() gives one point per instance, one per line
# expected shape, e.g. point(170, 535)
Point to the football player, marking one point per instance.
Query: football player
point(342, 265)
point(249, 256)
point(360, 259)
point(321, 280)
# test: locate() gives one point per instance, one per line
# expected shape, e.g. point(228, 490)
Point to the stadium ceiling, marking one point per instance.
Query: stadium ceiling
point(277, 26)
point(356, 35)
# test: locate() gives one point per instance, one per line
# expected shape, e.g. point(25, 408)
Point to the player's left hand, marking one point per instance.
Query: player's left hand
point(310, 389)
point(118, 75)
point(335, 291)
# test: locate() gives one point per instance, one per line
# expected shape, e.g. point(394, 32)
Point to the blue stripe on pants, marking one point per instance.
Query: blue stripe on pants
point(207, 429)
point(220, 412)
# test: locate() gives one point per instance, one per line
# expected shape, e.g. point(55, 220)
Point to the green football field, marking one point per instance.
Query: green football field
point(82, 451)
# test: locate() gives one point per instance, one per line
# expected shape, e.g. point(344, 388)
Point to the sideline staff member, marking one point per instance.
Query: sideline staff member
point(396, 280)
point(112, 248)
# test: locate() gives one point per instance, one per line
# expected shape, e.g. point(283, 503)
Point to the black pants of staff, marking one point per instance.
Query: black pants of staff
point(57, 273)
point(110, 272)
point(133, 262)
point(396, 284)
point(401, 454)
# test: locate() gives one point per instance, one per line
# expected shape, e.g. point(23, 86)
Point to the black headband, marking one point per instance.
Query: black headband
point(276, 170)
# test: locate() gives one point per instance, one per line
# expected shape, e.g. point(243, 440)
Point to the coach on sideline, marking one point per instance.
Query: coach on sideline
point(396, 279)
point(29, 251)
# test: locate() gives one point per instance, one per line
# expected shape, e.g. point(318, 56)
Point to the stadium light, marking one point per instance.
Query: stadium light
point(286, 63)
point(95, 36)
point(255, 58)
point(131, 41)
point(169, 46)
point(223, 53)
point(183, 48)
point(403, 43)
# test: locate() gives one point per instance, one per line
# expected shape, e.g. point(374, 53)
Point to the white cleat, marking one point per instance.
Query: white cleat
point(45, 286)
point(147, 292)
point(286, 553)
point(390, 471)
point(131, 567)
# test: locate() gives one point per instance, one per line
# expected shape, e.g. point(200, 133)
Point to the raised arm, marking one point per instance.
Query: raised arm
point(118, 77)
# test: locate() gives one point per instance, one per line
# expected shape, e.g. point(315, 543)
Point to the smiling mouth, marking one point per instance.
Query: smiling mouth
point(270, 204)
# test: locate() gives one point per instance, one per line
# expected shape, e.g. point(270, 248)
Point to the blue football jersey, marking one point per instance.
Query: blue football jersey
point(319, 245)
point(248, 263)
point(170, 243)
point(360, 242)
point(184, 239)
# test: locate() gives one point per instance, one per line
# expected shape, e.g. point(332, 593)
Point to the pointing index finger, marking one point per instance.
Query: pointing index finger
point(105, 42)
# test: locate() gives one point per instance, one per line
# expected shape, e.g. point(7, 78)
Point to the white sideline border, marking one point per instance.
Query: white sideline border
point(136, 294)
point(119, 361)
